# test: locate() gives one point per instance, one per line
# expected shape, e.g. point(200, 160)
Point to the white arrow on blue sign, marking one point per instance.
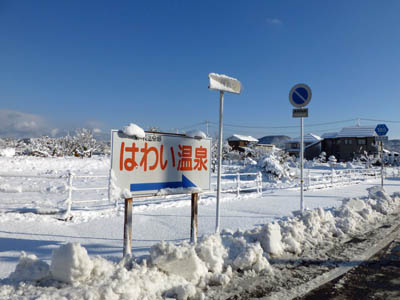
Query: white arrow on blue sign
point(381, 129)
point(300, 95)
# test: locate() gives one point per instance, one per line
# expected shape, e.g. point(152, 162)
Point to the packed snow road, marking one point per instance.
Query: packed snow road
point(377, 278)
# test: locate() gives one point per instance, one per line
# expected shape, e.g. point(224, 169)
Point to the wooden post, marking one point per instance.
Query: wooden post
point(128, 228)
point(193, 219)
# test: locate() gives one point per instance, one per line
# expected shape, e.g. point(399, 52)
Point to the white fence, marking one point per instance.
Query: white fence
point(241, 182)
point(71, 188)
point(233, 183)
point(333, 177)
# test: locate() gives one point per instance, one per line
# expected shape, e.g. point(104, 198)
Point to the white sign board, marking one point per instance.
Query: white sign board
point(144, 166)
point(224, 83)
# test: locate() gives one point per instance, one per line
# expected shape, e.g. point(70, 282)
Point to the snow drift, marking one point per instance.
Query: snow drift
point(183, 270)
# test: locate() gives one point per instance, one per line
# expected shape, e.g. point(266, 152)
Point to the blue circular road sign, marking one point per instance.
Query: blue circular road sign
point(300, 95)
point(381, 129)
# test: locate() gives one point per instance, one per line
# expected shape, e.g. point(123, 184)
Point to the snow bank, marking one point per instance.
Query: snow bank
point(134, 130)
point(7, 152)
point(180, 260)
point(30, 268)
point(71, 263)
point(271, 239)
point(181, 271)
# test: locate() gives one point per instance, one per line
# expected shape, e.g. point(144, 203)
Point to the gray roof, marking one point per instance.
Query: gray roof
point(352, 131)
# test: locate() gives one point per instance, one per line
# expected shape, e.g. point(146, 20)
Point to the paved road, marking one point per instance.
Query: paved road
point(379, 278)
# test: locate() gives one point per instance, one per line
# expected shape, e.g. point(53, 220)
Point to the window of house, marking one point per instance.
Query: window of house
point(361, 142)
point(338, 142)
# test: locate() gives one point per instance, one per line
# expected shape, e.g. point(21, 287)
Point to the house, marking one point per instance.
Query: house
point(241, 142)
point(350, 142)
point(267, 147)
point(312, 146)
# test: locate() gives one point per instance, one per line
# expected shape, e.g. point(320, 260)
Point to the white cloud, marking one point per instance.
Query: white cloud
point(274, 21)
point(97, 130)
point(19, 124)
point(92, 124)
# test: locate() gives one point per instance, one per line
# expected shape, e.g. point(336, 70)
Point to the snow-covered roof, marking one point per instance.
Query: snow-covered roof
point(357, 131)
point(352, 131)
point(329, 135)
point(308, 138)
point(237, 137)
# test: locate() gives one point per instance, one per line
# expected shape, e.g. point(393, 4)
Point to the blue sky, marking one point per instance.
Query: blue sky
point(104, 64)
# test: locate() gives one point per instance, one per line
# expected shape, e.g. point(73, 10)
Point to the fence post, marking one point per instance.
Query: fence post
point(332, 174)
point(238, 185)
point(259, 183)
point(69, 199)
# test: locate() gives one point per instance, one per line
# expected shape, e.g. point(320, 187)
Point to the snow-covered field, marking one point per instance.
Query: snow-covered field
point(81, 258)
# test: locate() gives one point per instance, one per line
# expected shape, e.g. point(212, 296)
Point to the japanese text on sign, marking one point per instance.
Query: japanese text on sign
point(145, 165)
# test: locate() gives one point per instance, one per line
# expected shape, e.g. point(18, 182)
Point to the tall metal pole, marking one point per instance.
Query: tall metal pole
point(301, 163)
point(382, 164)
point(221, 112)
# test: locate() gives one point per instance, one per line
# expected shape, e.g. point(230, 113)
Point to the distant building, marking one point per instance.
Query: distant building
point(350, 142)
point(312, 146)
point(241, 142)
point(267, 147)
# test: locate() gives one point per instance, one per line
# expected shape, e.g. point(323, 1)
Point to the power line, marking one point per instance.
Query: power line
point(373, 120)
point(191, 126)
point(286, 126)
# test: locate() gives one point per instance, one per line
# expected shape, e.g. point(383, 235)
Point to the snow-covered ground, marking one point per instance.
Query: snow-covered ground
point(81, 258)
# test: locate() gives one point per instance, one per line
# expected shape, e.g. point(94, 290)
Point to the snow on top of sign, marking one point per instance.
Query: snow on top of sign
point(180, 190)
point(224, 83)
point(196, 134)
point(238, 137)
point(222, 76)
point(134, 130)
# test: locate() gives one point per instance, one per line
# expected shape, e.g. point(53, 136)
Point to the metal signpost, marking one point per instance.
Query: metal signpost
point(160, 163)
point(221, 83)
point(381, 130)
point(300, 96)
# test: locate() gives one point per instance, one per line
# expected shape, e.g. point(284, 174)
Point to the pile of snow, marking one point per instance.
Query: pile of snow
point(182, 270)
point(30, 268)
point(71, 263)
point(134, 130)
point(197, 134)
point(7, 152)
